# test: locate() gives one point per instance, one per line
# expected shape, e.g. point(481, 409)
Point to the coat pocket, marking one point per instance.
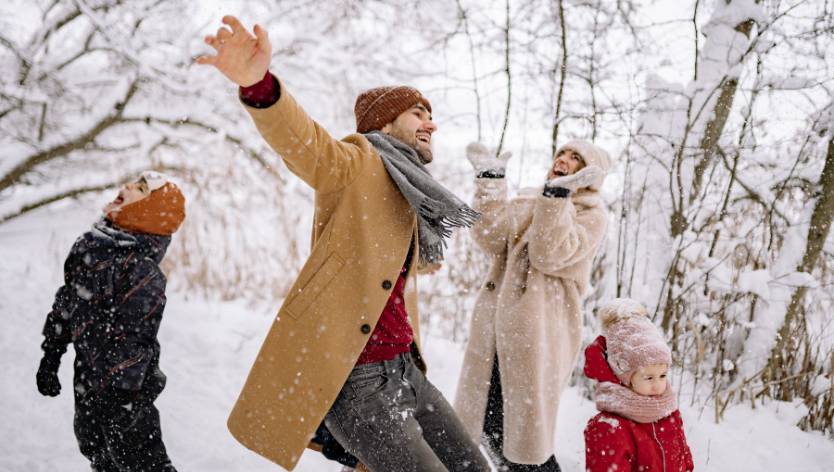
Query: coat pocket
point(300, 303)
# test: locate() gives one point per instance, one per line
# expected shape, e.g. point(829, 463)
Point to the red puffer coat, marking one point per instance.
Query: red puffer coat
point(615, 443)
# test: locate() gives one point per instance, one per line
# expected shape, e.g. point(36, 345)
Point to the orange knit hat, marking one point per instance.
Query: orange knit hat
point(379, 106)
point(161, 213)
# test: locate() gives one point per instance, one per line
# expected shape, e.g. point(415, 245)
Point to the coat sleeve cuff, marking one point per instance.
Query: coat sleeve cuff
point(493, 187)
point(492, 174)
point(555, 192)
point(53, 349)
point(279, 114)
point(263, 94)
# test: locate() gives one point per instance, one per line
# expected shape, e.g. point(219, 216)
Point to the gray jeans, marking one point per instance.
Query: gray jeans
point(393, 419)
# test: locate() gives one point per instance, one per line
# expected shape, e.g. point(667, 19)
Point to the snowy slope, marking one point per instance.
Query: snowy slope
point(207, 348)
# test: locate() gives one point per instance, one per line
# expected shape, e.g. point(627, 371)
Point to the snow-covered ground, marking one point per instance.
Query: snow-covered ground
point(207, 348)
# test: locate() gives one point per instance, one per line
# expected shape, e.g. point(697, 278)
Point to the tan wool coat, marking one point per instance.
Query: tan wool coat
point(528, 310)
point(362, 230)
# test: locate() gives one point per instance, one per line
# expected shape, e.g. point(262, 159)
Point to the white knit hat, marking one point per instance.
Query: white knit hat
point(631, 339)
point(155, 180)
point(592, 154)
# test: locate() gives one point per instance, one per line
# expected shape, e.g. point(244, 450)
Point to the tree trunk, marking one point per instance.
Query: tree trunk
point(678, 223)
point(563, 69)
point(714, 128)
point(784, 352)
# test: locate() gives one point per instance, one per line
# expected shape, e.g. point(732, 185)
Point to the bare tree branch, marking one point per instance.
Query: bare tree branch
point(63, 149)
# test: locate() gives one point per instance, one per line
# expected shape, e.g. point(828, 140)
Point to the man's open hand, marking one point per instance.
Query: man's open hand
point(241, 57)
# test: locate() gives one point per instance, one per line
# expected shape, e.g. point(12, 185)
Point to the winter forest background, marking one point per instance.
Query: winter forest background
point(719, 116)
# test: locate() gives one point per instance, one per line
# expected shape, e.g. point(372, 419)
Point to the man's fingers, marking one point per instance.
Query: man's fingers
point(213, 42)
point(262, 35)
point(223, 33)
point(234, 23)
point(208, 60)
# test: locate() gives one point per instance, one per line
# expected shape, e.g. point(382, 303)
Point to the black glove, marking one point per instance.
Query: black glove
point(47, 377)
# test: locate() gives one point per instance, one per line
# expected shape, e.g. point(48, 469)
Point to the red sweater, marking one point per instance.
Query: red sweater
point(613, 442)
point(392, 334)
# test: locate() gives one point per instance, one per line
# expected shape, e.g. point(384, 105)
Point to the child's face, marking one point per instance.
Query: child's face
point(650, 380)
point(129, 193)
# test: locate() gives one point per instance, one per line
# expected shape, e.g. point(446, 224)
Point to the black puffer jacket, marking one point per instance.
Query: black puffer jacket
point(110, 307)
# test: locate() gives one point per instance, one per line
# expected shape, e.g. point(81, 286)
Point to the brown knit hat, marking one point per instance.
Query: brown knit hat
point(379, 106)
point(161, 213)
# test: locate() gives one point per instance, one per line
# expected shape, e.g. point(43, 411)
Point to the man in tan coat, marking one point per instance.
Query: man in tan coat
point(526, 327)
point(344, 348)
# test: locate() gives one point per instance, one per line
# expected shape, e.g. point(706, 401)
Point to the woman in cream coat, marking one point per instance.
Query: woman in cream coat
point(526, 326)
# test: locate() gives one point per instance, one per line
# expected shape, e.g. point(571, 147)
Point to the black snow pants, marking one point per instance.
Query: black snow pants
point(119, 431)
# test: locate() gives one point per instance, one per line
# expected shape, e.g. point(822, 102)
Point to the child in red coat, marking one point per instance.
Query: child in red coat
point(639, 427)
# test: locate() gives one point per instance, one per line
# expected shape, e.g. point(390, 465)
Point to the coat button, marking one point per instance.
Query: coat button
point(490, 285)
point(386, 284)
point(366, 328)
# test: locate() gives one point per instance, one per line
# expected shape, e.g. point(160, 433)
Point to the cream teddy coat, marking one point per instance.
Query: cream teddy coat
point(528, 310)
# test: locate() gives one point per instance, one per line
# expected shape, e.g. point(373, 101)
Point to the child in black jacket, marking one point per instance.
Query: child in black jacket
point(110, 307)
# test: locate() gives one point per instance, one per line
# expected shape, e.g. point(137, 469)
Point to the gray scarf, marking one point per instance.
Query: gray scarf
point(438, 210)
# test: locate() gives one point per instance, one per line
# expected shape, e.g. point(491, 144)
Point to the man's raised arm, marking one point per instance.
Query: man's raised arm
point(326, 164)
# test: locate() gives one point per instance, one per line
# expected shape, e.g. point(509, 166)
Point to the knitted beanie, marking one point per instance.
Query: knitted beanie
point(592, 154)
point(161, 213)
point(379, 106)
point(631, 338)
